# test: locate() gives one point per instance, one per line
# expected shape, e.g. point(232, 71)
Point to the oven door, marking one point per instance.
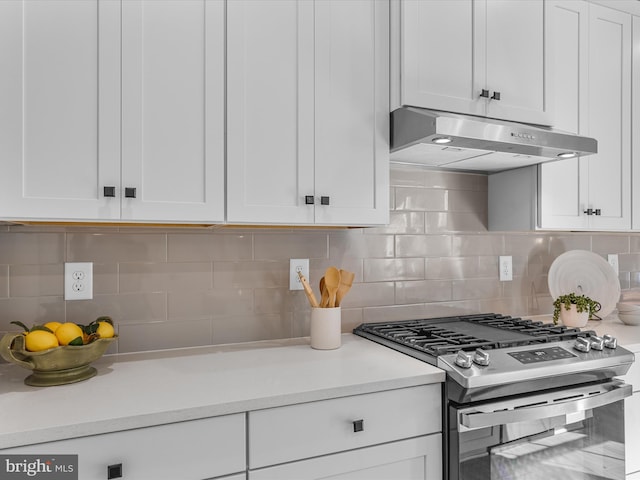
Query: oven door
point(574, 433)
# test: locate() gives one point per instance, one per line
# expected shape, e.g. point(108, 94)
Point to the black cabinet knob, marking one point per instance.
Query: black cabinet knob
point(484, 93)
point(130, 192)
point(598, 211)
point(109, 191)
point(324, 200)
point(591, 211)
point(495, 96)
point(114, 471)
point(358, 425)
point(309, 199)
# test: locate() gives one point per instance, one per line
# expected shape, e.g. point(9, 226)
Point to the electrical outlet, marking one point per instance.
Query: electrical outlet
point(78, 281)
point(612, 258)
point(298, 265)
point(506, 268)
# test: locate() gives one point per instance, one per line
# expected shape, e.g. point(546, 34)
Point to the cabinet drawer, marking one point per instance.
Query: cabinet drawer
point(190, 450)
point(306, 430)
point(413, 459)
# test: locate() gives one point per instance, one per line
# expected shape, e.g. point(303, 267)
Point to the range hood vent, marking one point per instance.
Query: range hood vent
point(447, 140)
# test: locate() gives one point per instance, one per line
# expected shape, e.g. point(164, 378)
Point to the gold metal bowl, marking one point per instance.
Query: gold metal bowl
point(55, 366)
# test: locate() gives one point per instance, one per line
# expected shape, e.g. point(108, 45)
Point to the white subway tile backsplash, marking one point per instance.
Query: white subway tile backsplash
point(206, 247)
point(421, 199)
point(31, 248)
point(179, 287)
point(36, 280)
point(381, 270)
point(463, 245)
point(423, 245)
point(4, 281)
point(423, 291)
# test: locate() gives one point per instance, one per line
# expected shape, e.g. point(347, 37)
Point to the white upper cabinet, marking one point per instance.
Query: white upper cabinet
point(635, 119)
point(60, 114)
point(563, 191)
point(307, 112)
point(173, 110)
point(593, 98)
point(114, 110)
point(480, 57)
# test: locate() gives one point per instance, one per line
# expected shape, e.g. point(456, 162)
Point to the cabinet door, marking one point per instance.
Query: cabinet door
point(352, 111)
point(609, 177)
point(436, 77)
point(516, 65)
point(270, 111)
point(190, 450)
point(415, 459)
point(563, 189)
point(635, 120)
point(60, 114)
point(173, 110)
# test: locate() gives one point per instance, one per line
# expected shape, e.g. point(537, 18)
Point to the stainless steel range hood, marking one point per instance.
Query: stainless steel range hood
point(447, 140)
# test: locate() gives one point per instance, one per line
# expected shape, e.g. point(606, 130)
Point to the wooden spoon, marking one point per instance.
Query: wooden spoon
point(331, 283)
point(324, 299)
point(346, 280)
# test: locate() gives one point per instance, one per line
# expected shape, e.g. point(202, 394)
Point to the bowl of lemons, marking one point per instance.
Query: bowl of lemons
point(58, 353)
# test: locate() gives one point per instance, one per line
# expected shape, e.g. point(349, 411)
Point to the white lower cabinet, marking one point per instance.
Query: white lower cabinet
point(376, 435)
point(413, 459)
point(192, 450)
point(391, 435)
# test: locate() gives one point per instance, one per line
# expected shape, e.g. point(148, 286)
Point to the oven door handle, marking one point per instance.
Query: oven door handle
point(474, 418)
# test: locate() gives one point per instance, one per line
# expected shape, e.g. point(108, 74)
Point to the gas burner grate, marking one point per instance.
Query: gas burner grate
point(439, 336)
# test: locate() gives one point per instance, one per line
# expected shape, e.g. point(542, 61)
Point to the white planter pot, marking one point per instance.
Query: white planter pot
point(571, 317)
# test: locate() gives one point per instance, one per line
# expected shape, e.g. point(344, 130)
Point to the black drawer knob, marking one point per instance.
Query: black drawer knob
point(495, 96)
point(114, 471)
point(485, 93)
point(309, 199)
point(130, 192)
point(324, 200)
point(109, 191)
point(358, 425)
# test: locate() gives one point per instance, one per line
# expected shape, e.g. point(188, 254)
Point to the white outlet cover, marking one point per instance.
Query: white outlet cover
point(295, 265)
point(78, 281)
point(506, 268)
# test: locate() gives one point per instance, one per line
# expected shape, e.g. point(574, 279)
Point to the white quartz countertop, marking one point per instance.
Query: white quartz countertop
point(144, 389)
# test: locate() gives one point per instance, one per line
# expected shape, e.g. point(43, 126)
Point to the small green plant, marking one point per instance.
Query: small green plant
point(582, 303)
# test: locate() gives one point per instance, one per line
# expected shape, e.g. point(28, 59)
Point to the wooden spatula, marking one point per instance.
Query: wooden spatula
point(331, 283)
point(346, 280)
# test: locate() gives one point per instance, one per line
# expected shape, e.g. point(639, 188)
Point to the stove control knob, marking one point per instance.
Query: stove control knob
point(610, 342)
point(481, 357)
point(597, 343)
point(464, 360)
point(582, 344)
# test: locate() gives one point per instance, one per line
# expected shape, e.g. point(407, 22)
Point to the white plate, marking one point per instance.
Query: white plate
point(585, 273)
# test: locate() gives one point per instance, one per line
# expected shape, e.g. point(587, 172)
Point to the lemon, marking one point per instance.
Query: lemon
point(40, 340)
point(68, 332)
point(105, 330)
point(52, 326)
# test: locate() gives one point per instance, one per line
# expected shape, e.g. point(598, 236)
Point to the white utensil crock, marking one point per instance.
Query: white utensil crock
point(326, 328)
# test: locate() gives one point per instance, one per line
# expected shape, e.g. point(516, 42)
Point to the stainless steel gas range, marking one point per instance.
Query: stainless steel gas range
point(523, 399)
